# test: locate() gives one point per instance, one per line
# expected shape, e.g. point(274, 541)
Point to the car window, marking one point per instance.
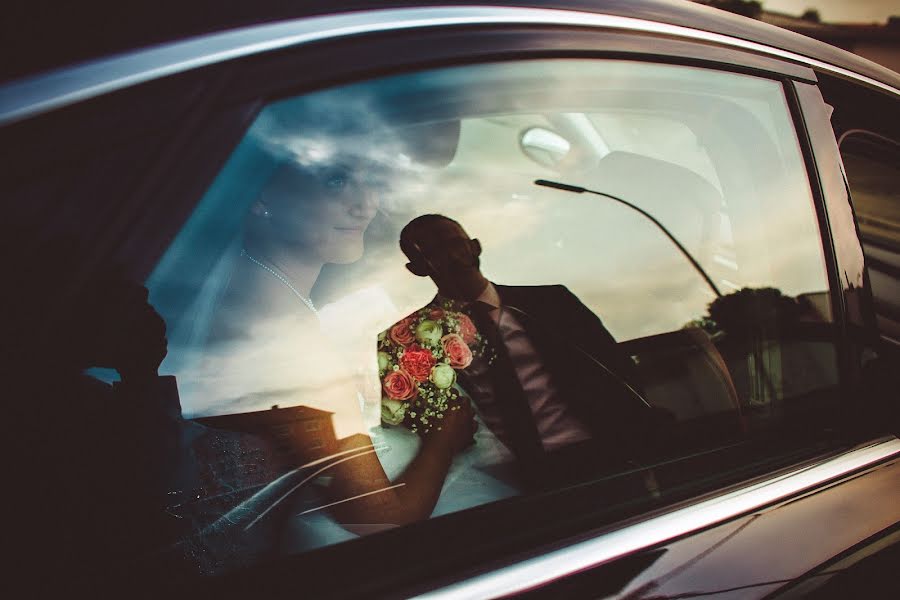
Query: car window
point(871, 164)
point(449, 292)
point(293, 316)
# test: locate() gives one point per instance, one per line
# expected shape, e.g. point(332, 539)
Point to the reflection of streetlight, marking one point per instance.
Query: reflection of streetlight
point(579, 190)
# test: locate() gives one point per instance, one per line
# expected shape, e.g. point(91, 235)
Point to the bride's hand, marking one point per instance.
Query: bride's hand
point(457, 428)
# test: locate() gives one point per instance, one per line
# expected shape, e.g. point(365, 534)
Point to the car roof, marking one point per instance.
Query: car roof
point(92, 31)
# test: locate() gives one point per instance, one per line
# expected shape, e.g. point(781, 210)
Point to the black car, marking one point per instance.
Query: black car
point(228, 374)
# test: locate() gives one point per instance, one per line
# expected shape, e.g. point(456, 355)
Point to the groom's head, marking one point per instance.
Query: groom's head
point(439, 247)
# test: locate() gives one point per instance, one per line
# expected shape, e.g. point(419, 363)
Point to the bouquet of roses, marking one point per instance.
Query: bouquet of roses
point(417, 362)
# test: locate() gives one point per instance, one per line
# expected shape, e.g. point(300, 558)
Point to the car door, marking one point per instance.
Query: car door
point(693, 209)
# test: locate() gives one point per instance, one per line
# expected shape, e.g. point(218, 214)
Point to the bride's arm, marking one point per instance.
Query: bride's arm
point(411, 496)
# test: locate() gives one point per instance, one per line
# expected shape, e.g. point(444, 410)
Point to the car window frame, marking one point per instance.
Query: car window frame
point(889, 337)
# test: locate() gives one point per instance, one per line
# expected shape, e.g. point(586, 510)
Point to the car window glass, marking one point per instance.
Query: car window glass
point(871, 163)
point(376, 316)
point(261, 345)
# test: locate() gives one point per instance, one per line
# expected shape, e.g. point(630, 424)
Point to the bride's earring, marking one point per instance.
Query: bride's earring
point(261, 210)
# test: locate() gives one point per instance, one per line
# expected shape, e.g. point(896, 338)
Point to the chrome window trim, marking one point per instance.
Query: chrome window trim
point(546, 568)
point(41, 93)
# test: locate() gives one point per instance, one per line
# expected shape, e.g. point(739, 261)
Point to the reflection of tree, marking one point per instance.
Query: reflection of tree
point(812, 15)
point(750, 319)
point(706, 324)
point(748, 311)
point(747, 8)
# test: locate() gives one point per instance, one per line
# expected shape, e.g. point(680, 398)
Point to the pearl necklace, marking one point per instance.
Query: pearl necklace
point(283, 280)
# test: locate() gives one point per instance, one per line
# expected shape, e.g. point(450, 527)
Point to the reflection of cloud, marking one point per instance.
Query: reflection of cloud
point(321, 130)
point(780, 246)
point(359, 314)
point(616, 261)
point(526, 217)
point(660, 298)
point(280, 360)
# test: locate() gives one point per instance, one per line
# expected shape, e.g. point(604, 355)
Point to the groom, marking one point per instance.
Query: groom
point(558, 391)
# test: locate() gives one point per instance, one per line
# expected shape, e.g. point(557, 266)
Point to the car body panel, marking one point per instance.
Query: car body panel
point(850, 501)
point(777, 544)
point(133, 30)
point(21, 99)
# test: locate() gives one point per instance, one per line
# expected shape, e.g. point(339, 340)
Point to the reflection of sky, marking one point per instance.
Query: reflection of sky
point(616, 261)
point(611, 257)
point(327, 364)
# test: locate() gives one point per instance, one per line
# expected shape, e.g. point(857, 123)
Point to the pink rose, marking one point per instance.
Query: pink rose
point(459, 356)
point(399, 386)
point(436, 313)
point(417, 361)
point(402, 333)
point(466, 328)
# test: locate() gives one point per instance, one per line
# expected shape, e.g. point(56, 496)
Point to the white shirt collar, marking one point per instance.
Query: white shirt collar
point(490, 296)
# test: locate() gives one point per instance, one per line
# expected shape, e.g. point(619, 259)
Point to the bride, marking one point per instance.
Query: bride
point(269, 344)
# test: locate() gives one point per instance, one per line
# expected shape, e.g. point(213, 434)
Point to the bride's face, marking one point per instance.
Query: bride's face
point(323, 212)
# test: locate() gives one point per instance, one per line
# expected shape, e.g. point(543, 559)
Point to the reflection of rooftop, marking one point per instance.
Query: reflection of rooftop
point(264, 418)
point(816, 305)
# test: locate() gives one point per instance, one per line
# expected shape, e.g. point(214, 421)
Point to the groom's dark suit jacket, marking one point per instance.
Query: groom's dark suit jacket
point(571, 340)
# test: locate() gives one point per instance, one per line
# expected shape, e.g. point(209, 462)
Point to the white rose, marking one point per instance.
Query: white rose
point(393, 411)
point(442, 376)
point(429, 332)
point(383, 361)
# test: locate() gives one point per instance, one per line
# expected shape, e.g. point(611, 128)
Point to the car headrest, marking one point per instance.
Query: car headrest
point(650, 182)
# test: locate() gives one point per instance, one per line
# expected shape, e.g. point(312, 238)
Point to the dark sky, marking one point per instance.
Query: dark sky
point(40, 34)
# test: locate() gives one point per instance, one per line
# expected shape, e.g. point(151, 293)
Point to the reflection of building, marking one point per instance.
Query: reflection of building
point(879, 43)
point(300, 433)
point(815, 307)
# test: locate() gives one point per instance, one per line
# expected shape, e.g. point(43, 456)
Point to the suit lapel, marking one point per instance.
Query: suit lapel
point(521, 303)
point(548, 331)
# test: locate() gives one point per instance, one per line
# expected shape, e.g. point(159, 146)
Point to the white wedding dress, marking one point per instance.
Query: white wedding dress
point(479, 474)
